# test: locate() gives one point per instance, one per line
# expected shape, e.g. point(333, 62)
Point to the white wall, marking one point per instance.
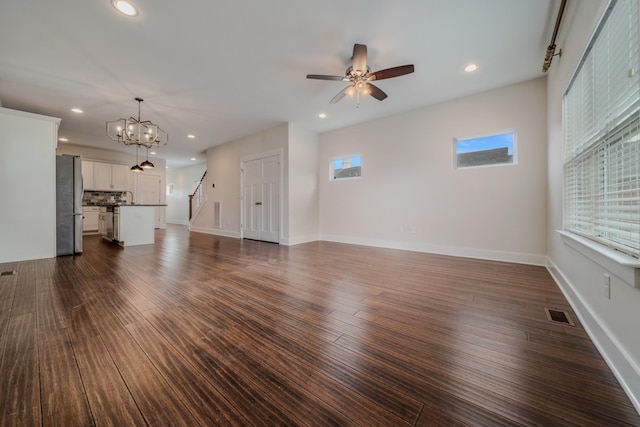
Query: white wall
point(303, 185)
point(223, 171)
point(28, 213)
point(410, 197)
point(612, 323)
point(178, 202)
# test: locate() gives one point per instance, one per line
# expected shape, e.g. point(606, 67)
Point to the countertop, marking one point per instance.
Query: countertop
point(121, 205)
point(133, 206)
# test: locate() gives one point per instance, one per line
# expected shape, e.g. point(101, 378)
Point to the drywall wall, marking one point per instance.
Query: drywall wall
point(303, 185)
point(411, 197)
point(612, 322)
point(223, 180)
point(28, 213)
point(182, 180)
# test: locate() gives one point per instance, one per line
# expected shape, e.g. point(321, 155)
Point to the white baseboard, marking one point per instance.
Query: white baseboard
point(299, 240)
point(624, 371)
point(216, 232)
point(530, 259)
point(177, 221)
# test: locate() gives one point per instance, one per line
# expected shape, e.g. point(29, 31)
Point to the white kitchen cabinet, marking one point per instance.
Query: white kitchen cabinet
point(119, 177)
point(90, 220)
point(102, 176)
point(110, 177)
point(87, 175)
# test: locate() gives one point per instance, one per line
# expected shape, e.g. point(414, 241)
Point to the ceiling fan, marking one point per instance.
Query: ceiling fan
point(359, 76)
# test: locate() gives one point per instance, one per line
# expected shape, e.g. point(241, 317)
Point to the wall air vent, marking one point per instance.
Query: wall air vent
point(8, 273)
point(558, 316)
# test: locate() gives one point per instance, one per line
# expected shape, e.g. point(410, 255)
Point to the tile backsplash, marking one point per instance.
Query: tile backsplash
point(95, 198)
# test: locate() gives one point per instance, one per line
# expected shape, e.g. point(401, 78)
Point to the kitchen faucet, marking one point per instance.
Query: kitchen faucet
point(127, 191)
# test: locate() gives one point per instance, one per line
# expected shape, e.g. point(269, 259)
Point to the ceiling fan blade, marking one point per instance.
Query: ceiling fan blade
point(360, 58)
point(391, 72)
point(323, 77)
point(339, 96)
point(376, 92)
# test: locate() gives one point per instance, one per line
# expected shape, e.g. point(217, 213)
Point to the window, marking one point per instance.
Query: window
point(602, 138)
point(346, 167)
point(494, 149)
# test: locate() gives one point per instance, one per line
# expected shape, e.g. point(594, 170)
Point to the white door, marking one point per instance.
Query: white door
point(261, 199)
point(148, 193)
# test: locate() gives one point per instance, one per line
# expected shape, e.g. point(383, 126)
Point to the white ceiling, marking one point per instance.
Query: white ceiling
point(224, 70)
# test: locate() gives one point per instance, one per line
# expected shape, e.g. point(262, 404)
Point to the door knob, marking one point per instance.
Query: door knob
point(258, 203)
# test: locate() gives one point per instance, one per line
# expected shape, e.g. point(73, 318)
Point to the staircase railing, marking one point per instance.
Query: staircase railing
point(198, 196)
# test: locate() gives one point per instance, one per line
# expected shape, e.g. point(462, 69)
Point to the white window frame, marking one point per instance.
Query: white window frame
point(601, 115)
point(514, 154)
point(348, 156)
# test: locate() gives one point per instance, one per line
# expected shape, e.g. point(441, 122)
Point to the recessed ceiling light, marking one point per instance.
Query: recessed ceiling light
point(470, 68)
point(193, 158)
point(77, 110)
point(153, 153)
point(63, 140)
point(191, 136)
point(322, 115)
point(125, 7)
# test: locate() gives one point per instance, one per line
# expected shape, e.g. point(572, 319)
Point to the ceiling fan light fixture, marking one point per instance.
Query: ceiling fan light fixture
point(359, 77)
point(125, 7)
point(351, 90)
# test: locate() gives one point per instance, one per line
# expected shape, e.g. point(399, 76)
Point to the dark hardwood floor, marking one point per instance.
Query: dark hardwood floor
point(205, 330)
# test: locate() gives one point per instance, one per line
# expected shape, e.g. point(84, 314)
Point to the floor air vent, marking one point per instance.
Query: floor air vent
point(8, 273)
point(558, 316)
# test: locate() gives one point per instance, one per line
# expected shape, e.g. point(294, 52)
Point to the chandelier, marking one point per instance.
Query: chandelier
point(134, 131)
point(137, 132)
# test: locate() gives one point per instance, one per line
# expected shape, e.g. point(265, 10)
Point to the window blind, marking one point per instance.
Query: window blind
point(601, 112)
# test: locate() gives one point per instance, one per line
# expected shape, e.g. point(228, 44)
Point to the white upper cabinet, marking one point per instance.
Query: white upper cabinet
point(109, 177)
point(102, 176)
point(119, 177)
point(87, 175)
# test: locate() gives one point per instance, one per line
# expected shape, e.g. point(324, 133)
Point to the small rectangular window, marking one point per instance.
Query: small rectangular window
point(346, 167)
point(494, 149)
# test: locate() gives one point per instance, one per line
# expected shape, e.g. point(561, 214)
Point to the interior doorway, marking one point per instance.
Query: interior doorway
point(261, 198)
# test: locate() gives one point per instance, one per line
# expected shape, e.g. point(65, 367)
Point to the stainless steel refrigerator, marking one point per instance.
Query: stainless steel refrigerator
point(68, 205)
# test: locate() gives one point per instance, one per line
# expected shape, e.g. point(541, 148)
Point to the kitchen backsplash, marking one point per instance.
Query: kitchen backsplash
point(95, 198)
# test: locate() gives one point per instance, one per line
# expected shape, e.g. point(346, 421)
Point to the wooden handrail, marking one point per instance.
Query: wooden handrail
point(191, 196)
point(199, 184)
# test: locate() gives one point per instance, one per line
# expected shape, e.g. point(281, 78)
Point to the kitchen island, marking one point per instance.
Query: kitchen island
point(128, 224)
point(134, 224)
